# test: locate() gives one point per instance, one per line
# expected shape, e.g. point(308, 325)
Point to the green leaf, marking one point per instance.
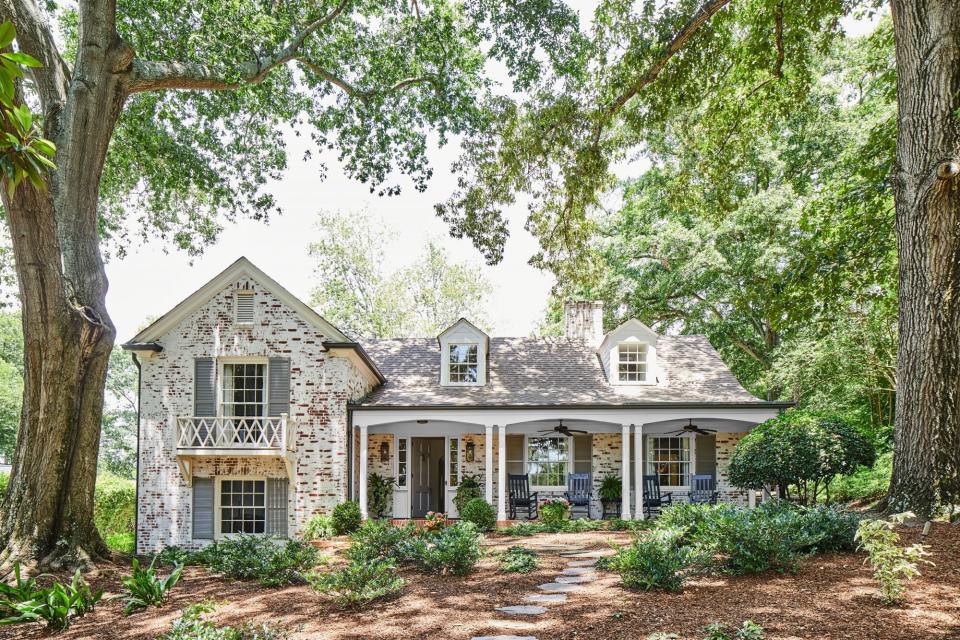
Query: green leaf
point(7, 34)
point(22, 58)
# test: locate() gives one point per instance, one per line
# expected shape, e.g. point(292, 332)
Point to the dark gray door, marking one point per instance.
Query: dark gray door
point(426, 476)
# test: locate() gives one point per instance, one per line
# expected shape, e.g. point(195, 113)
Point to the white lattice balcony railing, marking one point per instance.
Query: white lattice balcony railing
point(243, 434)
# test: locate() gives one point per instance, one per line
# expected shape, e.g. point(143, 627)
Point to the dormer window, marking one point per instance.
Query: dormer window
point(463, 355)
point(632, 362)
point(464, 363)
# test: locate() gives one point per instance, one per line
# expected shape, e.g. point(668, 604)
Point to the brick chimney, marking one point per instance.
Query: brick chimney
point(583, 319)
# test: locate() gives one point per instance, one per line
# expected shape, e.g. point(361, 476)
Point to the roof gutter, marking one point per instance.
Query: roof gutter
point(632, 405)
point(357, 348)
point(153, 347)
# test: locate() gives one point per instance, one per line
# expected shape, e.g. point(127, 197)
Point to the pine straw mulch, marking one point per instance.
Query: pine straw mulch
point(831, 597)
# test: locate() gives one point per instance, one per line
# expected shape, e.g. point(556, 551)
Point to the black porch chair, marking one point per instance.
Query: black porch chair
point(520, 496)
point(703, 490)
point(579, 488)
point(653, 499)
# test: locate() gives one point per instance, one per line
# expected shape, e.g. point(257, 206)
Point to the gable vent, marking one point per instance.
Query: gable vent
point(244, 307)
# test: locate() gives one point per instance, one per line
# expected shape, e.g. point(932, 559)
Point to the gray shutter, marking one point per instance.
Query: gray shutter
point(278, 393)
point(277, 507)
point(203, 508)
point(204, 387)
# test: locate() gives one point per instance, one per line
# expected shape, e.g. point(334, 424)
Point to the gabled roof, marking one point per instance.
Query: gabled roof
point(242, 267)
point(552, 371)
point(463, 322)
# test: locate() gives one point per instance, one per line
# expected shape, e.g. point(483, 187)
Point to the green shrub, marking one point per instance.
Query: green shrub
point(748, 631)
point(801, 450)
point(57, 605)
point(379, 494)
point(582, 524)
point(865, 484)
point(480, 513)
point(378, 540)
point(318, 528)
point(145, 588)
point(468, 489)
point(114, 510)
point(656, 560)
point(554, 512)
point(454, 549)
point(174, 555)
point(518, 559)
point(892, 564)
point(829, 528)
point(359, 583)
point(689, 519)
point(753, 541)
point(270, 561)
point(4, 481)
point(346, 518)
point(191, 625)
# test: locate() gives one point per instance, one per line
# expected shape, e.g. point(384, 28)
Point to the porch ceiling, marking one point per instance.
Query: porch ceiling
point(430, 427)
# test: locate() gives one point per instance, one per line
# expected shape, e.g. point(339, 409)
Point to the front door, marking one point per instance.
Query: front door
point(426, 476)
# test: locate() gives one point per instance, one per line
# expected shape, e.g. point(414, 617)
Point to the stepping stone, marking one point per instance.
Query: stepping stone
point(503, 638)
point(578, 571)
point(522, 610)
point(547, 597)
point(574, 579)
point(582, 563)
point(587, 554)
point(511, 624)
point(557, 587)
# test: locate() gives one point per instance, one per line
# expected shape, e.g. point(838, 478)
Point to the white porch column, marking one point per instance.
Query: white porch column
point(502, 473)
point(488, 461)
point(363, 471)
point(625, 473)
point(693, 459)
point(638, 471)
point(751, 498)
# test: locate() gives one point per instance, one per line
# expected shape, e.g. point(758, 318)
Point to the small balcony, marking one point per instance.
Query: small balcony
point(213, 436)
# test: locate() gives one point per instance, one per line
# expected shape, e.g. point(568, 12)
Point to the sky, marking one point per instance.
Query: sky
point(148, 281)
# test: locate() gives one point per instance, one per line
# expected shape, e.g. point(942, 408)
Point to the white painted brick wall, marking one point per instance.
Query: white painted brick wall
point(320, 387)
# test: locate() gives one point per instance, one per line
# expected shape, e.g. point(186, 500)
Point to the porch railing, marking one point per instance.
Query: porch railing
point(234, 433)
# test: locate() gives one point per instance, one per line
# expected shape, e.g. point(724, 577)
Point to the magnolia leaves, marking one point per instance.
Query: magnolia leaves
point(23, 152)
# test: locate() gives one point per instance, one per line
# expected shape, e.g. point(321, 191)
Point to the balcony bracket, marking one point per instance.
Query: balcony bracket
point(186, 468)
point(290, 460)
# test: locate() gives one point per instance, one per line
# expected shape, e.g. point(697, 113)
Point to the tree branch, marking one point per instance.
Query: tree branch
point(354, 92)
point(149, 75)
point(34, 38)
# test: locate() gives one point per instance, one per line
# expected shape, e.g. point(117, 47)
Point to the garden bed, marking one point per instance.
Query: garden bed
point(832, 596)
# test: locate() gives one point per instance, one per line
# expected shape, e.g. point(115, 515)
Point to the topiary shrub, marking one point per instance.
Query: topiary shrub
point(479, 512)
point(799, 451)
point(346, 518)
point(468, 489)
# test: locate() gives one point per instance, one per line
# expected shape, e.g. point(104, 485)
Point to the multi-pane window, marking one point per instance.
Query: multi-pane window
point(402, 462)
point(454, 464)
point(244, 390)
point(669, 458)
point(632, 362)
point(463, 363)
point(242, 506)
point(547, 460)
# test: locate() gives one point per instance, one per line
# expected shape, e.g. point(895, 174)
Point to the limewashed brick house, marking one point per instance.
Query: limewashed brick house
point(256, 413)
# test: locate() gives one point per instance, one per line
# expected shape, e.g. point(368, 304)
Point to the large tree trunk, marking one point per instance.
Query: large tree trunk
point(927, 194)
point(68, 336)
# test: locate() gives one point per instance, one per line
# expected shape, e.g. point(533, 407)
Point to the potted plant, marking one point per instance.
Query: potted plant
point(553, 511)
point(610, 494)
point(379, 494)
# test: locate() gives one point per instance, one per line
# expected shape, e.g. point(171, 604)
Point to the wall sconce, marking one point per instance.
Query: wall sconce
point(471, 450)
point(384, 452)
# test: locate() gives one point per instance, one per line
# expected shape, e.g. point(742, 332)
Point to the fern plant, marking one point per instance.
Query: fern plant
point(146, 588)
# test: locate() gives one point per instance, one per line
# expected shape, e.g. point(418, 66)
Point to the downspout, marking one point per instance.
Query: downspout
point(349, 452)
point(136, 511)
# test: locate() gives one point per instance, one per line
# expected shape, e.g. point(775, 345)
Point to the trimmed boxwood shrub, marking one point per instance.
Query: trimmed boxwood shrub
point(480, 513)
point(346, 518)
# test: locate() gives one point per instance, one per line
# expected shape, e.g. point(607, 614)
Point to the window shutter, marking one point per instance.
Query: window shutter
point(204, 387)
point(277, 506)
point(203, 508)
point(278, 394)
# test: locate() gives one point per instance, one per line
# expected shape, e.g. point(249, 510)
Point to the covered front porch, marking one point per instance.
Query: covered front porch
point(428, 452)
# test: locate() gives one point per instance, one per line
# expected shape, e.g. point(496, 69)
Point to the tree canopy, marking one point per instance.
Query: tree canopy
point(356, 292)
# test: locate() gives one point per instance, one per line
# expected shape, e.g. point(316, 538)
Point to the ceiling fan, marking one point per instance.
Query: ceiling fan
point(562, 430)
point(692, 428)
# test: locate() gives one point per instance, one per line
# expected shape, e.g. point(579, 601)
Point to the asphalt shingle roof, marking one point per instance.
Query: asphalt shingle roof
point(550, 371)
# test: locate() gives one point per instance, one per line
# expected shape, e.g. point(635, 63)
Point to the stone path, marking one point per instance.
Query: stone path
point(580, 569)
